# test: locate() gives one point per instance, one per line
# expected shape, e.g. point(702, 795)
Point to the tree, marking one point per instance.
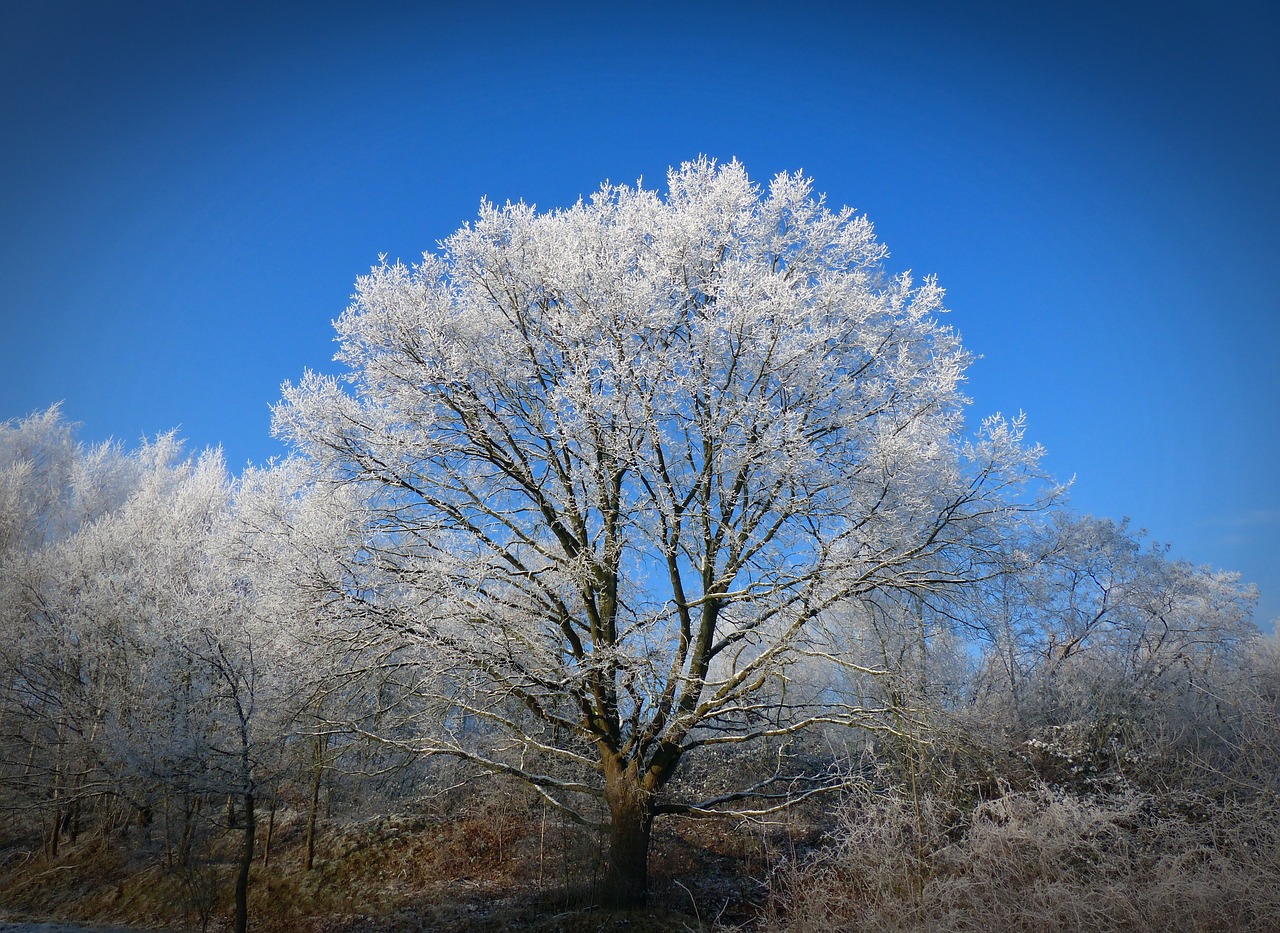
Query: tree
point(121, 644)
point(290, 539)
point(624, 460)
point(1107, 656)
point(138, 668)
point(55, 493)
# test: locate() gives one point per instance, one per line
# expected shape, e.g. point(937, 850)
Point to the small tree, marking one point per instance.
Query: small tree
point(290, 542)
point(623, 461)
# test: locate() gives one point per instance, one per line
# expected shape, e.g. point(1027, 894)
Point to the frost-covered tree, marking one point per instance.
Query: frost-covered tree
point(144, 669)
point(624, 460)
point(53, 490)
point(178, 617)
point(112, 642)
point(1107, 647)
point(294, 548)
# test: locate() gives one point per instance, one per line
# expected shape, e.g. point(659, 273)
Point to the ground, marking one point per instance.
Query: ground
point(491, 867)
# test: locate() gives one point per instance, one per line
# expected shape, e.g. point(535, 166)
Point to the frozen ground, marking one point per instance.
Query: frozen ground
point(14, 926)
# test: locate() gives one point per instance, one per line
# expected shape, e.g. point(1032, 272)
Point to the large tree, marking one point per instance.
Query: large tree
point(623, 461)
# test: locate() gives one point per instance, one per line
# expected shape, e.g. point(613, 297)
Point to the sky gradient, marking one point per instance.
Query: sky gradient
point(189, 192)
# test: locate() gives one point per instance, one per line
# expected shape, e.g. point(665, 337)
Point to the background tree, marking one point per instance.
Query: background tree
point(1107, 655)
point(141, 675)
point(294, 548)
point(623, 459)
point(54, 493)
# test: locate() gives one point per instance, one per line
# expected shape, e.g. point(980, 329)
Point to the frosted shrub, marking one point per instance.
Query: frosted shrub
point(1039, 860)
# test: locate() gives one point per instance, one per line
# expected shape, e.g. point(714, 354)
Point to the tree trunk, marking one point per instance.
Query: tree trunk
point(316, 774)
point(55, 790)
point(52, 845)
point(271, 828)
point(73, 830)
point(190, 807)
point(626, 882)
point(246, 863)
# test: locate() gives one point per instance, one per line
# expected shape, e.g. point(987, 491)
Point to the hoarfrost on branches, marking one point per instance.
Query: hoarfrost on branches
point(623, 458)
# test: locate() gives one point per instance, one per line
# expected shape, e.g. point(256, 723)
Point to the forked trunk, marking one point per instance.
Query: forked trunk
point(626, 882)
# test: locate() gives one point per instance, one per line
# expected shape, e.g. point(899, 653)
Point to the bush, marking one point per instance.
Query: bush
point(1038, 860)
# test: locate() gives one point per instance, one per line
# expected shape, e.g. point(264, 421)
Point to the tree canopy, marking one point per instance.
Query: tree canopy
point(625, 458)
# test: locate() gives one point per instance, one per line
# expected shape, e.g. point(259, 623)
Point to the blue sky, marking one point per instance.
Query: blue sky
point(188, 192)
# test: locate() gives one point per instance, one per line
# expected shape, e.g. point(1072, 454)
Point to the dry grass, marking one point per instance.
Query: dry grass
point(496, 863)
point(1038, 861)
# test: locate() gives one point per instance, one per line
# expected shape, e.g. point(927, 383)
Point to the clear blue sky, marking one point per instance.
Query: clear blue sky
point(188, 192)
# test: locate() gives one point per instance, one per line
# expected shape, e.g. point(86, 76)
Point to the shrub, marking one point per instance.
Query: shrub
point(1038, 860)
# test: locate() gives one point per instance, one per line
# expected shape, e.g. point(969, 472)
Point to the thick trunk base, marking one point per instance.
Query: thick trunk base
point(626, 880)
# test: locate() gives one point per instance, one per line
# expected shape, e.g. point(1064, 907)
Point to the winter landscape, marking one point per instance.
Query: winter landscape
point(655, 559)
